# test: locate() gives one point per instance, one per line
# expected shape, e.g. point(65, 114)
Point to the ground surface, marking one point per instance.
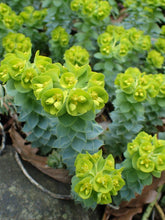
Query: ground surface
point(21, 200)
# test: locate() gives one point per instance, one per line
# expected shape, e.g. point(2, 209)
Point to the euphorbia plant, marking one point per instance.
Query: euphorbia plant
point(29, 22)
point(146, 15)
point(58, 43)
point(72, 92)
point(121, 48)
point(139, 105)
point(74, 98)
point(96, 179)
point(144, 158)
point(17, 71)
point(58, 102)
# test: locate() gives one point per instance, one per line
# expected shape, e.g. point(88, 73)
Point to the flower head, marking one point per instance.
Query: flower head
point(79, 102)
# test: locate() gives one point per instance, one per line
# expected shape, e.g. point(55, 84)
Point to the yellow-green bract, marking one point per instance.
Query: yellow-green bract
point(140, 85)
point(98, 10)
point(147, 153)
point(73, 87)
point(118, 42)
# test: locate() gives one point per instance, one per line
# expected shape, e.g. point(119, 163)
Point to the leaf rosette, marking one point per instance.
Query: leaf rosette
point(104, 39)
point(118, 183)
point(160, 162)
point(127, 83)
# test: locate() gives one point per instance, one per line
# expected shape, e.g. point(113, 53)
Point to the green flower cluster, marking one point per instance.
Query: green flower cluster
point(73, 88)
point(154, 57)
point(32, 17)
point(8, 17)
point(14, 42)
point(59, 36)
point(78, 89)
point(117, 41)
point(160, 45)
point(141, 86)
point(147, 153)
point(77, 56)
point(96, 177)
point(96, 9)
point(29, 17)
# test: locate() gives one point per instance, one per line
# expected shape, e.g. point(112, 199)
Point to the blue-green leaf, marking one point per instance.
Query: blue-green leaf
point(67, 120)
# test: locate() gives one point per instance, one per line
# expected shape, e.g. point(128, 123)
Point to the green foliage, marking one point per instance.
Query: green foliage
point(121, 48)
point(144, 158)
point(96, 179)
point(138, 106)
point(14, 42)
point(76, 135)
point(29, 22)
point(145, 15)
point(49, 52)
point(74, 89)
point(68, 91)
point(58, 43)
point(39, 127)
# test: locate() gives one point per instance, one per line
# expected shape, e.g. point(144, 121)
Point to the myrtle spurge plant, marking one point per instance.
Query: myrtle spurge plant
point(147, 154)
point(58, 43)
point(32, 17)
point(144, 158)
point(139, 105)
point(67, 91)
point(96, 179)
point(9, 19)
point(29, 22)
point(77, 90)
point(95, 10)
point(120, 41)
point(121, 48)
point(155, 58)
point(14, 42)
point(61, 62)
point(74, 98)
point(17, 72)
point(90, 19)
point(145, 15)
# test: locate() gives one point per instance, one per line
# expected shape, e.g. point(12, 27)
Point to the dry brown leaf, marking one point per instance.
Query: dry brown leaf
point(122, 214)
point(29, 154)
